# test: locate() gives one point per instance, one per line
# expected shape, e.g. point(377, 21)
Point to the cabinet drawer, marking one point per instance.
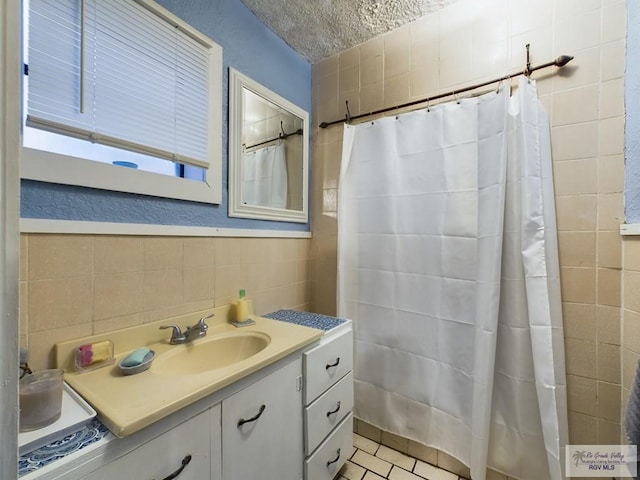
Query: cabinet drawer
point(328, 459)
point(327, 363)
point(327, 412)
point(164, 454)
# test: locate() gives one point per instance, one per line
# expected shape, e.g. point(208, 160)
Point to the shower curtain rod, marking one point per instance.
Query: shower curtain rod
point(282, 136)
point(559, 62)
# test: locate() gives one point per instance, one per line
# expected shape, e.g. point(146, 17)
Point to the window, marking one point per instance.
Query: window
point(127, 84)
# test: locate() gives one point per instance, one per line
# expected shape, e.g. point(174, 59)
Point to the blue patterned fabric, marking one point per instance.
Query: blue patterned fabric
point(307, 319)
point(90, 433)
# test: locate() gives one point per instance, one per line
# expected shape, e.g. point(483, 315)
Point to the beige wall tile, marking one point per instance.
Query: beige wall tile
point(199, 284)
point(579, 321)
point(578, 284)
point(632, 290)
point(574, 177)
point(613, 60)
point(609, 401)
point(117, 323)
point(115, 254)
point(396, 90)
point(631, 330)
point(575, 141)
point(583, 429)
point(609, 286)
point(396, 53)
point(24, 257)
point(609, 433)
point(612, 98)
point(582, 396)
point(631, 253)
point(162, 253)
point(578, 32)
point(577, 249)
point(611, 136)
point(199, 252)
point(41, 344)
point(422, 452)
point(58, 256)
point(162, 288)
point(395, 442)
point(609, 249)
point(610, 211)
point(23, 308)
point(609, 363)
point(580, 357)
point(117, 295)
point(614, 23)
point(629, 367)
point(452, 464)
point(608, 324)
point(576, 212)
point(611, 173)
point(574, 75)
point(59, 303)
point(576, 105)
point(349, 57)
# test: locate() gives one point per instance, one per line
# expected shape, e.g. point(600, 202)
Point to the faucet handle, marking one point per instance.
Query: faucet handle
point(201, 324)
point(176, 333)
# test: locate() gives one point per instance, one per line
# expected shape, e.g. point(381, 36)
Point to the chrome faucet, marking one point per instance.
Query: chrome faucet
point(198, 330)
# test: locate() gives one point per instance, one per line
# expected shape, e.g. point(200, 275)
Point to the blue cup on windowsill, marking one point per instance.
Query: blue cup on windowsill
point(122, 163)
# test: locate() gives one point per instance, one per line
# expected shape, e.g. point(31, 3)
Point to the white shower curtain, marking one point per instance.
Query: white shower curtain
point(448, 266)
point(264, 174)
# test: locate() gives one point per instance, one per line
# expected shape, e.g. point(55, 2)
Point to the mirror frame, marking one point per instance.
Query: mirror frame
point(238, 82)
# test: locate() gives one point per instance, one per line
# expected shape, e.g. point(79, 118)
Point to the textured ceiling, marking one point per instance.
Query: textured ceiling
point(320, 28)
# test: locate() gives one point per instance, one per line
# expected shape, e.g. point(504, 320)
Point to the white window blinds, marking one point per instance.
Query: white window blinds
point(115, 72)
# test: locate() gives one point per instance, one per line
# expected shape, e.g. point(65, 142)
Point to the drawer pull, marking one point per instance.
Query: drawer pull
point(242, 421)
point(185, 462)
point(331, 365)
point(335, 459)
point(334, 411)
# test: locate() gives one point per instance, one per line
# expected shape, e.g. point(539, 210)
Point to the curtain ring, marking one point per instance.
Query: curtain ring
point(455, 95)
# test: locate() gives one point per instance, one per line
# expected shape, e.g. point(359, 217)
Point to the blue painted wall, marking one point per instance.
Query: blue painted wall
point(248, 46)
point(632, 121)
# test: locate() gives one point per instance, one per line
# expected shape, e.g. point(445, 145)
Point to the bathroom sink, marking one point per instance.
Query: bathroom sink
point(210, 353)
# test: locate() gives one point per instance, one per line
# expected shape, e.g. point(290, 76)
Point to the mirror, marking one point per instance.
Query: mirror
point(268, 153)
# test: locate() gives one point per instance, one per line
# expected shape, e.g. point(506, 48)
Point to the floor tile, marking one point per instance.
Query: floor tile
point(351, 471)
point(433, 473)
point(396, 457)
point(398, 473)
point(365, 444)
point(372, 476)
point(368, 461)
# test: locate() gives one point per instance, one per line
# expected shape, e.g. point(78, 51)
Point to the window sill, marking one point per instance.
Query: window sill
point(55, 168)
point(38, 225)
point(629, 229)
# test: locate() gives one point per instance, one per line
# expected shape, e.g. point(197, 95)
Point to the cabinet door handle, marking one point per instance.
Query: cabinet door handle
point(334, 411)
point(242, 421)
point(331, 365)
point(185, 462)
point(335, 459)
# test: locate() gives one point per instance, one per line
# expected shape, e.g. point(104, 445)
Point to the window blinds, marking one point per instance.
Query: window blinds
point(116, 73)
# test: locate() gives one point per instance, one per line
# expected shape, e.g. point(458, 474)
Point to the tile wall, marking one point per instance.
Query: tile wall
point(471, 41)
point(78, 285)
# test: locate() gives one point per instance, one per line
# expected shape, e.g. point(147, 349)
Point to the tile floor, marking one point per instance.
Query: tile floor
point(373, 461)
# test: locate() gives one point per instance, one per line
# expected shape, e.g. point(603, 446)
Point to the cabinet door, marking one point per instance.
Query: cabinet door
point(165, 454)
point(262, 428)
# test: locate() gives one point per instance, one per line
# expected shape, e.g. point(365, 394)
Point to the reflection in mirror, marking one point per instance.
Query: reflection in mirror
point(268, 153)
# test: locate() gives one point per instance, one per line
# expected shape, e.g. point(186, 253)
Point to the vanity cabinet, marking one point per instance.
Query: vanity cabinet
point(164, 454)
point(328, 405)
point(262, 428)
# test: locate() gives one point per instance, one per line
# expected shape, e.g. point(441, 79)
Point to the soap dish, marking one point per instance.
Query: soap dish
point(141, 367)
